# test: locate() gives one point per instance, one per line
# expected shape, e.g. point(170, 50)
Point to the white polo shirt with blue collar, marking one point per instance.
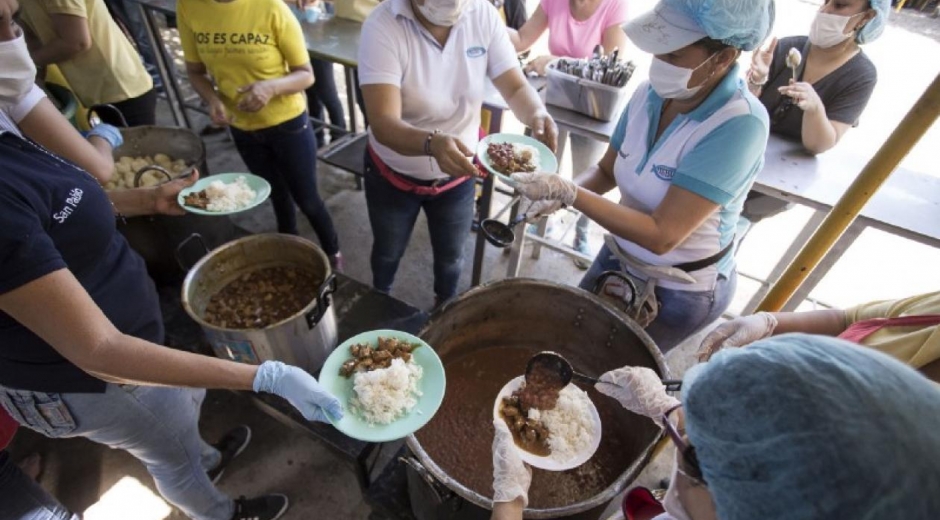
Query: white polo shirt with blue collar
point(442, 87)
point(714, 151)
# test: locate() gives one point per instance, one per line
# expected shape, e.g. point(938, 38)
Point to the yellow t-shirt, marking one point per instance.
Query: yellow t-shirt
point(111, 70)
point(242, 42)
point(916, 346)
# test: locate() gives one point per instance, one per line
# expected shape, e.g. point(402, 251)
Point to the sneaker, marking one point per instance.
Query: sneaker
point(230, 446)
point(268, 507)
point(337, 264)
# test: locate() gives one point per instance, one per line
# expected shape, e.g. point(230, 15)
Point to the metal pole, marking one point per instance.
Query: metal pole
point(914, 125)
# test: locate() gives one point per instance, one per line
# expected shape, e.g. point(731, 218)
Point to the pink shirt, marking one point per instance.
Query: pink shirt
point(570, 38)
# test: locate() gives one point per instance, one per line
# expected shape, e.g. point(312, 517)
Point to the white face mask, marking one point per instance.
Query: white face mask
point(828, 30)
point(672, 82)
point(18, 74)
point(444, 13)
point(671, 502)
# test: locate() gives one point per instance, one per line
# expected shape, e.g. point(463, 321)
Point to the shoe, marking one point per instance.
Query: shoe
point(337, 264)
point(230, 446)
point(268, 507)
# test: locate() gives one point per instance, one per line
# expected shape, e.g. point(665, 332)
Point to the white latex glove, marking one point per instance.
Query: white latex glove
point(737, 333)
point(511, 477)
point(639, 390)
point(546, 186)
point(536, 209)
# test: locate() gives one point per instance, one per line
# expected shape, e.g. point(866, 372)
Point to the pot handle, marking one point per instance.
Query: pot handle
point(323, 302)
point(183, 244)
point(92, 110)
point(599, 284)
point(151, 167)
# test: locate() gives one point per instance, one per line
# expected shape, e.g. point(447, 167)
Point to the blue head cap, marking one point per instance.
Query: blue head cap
point(873, 29)
point(801, 427)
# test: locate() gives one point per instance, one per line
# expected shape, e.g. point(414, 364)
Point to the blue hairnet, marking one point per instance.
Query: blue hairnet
point(801, 427)
point(743, 24)
point(873, 29)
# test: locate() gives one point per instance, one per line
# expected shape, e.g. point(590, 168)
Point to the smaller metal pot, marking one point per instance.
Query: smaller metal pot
point(304, 339)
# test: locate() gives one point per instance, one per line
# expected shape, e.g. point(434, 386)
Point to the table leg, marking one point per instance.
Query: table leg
point(517, 247)
point(543, 223)
point(808, 229)
point(486, 202)
point(165, 68)
point(351, 97)
point(838, 249)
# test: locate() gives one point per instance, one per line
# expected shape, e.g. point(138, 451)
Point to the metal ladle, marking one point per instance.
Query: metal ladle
point(554, 363)
point(497, 233)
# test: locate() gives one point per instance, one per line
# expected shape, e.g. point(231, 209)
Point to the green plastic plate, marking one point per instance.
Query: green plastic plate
point(548, 163)
point(432, 385)
point(260, 186)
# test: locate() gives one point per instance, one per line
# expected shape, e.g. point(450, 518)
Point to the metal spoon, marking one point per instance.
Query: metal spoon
point(499, 234)
point(554, 363)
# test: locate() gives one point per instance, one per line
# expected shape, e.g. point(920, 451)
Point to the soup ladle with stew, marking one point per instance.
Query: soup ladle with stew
point(499, 234)
point(553, 370)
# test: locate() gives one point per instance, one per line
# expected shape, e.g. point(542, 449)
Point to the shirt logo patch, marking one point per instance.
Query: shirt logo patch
point(476, 52)
point(665, 173)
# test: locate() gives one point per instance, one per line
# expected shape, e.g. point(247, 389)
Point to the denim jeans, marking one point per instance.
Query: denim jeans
point(393, 212)
point(682, 313)
point(158, 426)
point(22, 498)
point(285, 155)
point(322, 95)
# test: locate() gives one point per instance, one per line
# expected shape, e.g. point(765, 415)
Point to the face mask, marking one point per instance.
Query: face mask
point(444, 13)
point(828, 30)
point(672, 82)
point(19, 71)
point(673, 505)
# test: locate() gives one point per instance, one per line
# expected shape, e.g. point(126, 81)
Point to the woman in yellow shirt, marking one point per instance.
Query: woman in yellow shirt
point(255, 52)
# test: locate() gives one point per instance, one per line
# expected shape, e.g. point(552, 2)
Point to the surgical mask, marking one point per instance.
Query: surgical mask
point(672, 82)
point(18, 74)
point(444, 13)
point(828, 30)
point(671, 502)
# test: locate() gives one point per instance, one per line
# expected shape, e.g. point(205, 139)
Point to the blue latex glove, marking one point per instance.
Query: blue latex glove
point(109, 133)
point(300, 389)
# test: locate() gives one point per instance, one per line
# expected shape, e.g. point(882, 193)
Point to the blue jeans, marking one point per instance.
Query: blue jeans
point(158, 426)
point(682, 313)
point(322, 95)
point(393, 212)
point(22, 498)
point(285, 155)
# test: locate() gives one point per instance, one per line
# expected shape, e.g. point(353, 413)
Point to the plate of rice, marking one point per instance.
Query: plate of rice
point(505, 154)
point(393, 394)
point(573, 427)
point(224, 194)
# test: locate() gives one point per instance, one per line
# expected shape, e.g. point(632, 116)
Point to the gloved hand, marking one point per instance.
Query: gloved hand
point(511, 477)
point(639, 390)
point(109, 133)
point(536, 209)
point(299, 388)
point(546, 186)
point(737, 333)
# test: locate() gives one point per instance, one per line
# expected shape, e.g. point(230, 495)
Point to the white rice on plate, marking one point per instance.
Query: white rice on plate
point(229, 197)
point(526, 153)
point(570, 424)
point(384, 395)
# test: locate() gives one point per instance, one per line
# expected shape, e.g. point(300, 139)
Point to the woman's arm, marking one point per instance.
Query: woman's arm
point(508, 510)
point(198, 77)
point(600, 177)
point(819, 133)
point(615, 38)
point(679, 214)
point(829, 322)
point(72, 37)
point(48, 127)
point(530, 32)
point(526, 105)
point(57, 309)
point(257, 95)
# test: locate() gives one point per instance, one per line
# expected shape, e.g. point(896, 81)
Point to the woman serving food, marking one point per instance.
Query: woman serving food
point(681, 185)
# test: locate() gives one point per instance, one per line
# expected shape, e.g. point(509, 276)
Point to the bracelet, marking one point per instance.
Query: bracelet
point(427, 141)
point(754, 83)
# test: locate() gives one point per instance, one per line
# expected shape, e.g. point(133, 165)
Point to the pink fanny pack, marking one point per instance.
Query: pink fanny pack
point(409, 186)
point(860, 330)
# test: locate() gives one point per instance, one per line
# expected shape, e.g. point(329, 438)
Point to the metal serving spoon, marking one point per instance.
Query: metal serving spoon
point(556, 364)
point(497, 233)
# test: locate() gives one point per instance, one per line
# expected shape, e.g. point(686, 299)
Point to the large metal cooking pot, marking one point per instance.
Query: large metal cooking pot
point(484, 338)
point(156, 237)
point(304, 339)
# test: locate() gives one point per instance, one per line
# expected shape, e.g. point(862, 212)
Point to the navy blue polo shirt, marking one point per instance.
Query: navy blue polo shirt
point(54, 215)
